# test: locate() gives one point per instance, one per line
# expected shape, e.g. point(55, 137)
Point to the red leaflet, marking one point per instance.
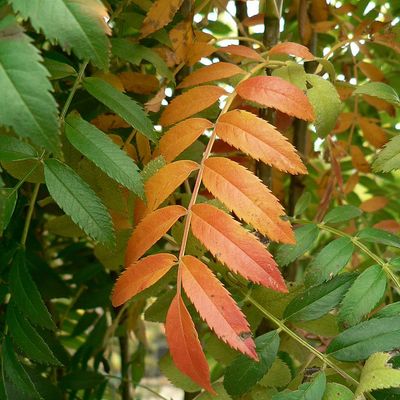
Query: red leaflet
point(242, 51)
point(184, 344)
point(293, 49)
point(141, 275)
point(150, 230)
point(275, 92)
point(216, 306)
point(237, 248)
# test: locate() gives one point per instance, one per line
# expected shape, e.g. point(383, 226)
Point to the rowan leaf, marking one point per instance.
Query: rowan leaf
point(215, 305)
point(374, 235)
point(102, 151)
point(374, 204)
point(140, 275)
point(160, 14)
point(275, 92)
point(121, 104)
point(293, 73)
point(377, 374)
point(342, 214)
point(373, 133)
point(151, 228)
point(184, 344)
point(243, 192)
point(259, 139)
point(380, 90)
point(78, 200)
point(363, 295)
point(8, 201)
point(234, 246)
point(293, 49)
point(12, 149)
point(389, 157)
point(213, 72)
point(336, 391)
point(26, 104)
point(181, 136)
point(79, 25)
point(220, 394)
point(241, 51)
point(279, 375)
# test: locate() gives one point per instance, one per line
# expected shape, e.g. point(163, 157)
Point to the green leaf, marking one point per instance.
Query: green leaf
point(152, 167)
point(78, 25)
point(15, 371)
point(306, 237)
point(391, 310)
point(336, 391)
point(77, 380)
point(380, 90)
point(26, 104)
point(58, 70)
point(121, 104)
point(307, 391)
point(377, 374)
point(374, 235)
point(360, 341)
point(102, 151)
point(278, 376)
point(302, 204)
point(244, 372)
point(325, 326)
point(388, 159)
point(8, 200)
point(341, 214)
point(293, 73)
point(220, 394)
point(329, 261)
point(157, 312)
point(318, 300)
point(79, 201)
point(28, 339)
point(364, 294)
point(326, 104)
point(12, 149)
point(25, 294)
point(327, 66)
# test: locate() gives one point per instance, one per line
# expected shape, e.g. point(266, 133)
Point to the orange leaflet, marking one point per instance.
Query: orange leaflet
point(159, 15)
point(140, 276)
point(216, 306)
point(275, 92)
point(358, 160)
point(373, 133)
point(374, 204)
point(181, 136)
point(150, 230)
point(184, 344)
point(242, 51)
point(243, 192)
point(293, 49)
point(210, 73)
point(237, 248)
point(371, 72)
point(137, 82)
point(260, 140)
point(190, 102)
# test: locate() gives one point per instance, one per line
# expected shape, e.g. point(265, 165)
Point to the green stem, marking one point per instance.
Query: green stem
point(30, 213)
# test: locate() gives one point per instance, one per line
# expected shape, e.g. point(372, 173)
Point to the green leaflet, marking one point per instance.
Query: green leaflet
point(12, 149)
point(364, 294)
point(326, 103)
point(391, 310)
point(293, 73)
point(318, 300)
point(102, 151)
point(335, 391)
point(78, 25)
point(366, 338)
point(341, 214)
point(58, 70)
point(14, 370)
point(389, 158)
point(26, 104)
point(221, 394)
point(25, 294)
point(380, 90)
point(121, 104)
point(302, 204)
point(377, 374)
point(329, 261)
point(152, 167)
point(244, 373)
point(305, 239)
point(374, 235)
point(81, 380)
point(8, 200)
point(307, 391)
point(157, 312)
point(79, 201)
point(278, 376)
point(28, 339)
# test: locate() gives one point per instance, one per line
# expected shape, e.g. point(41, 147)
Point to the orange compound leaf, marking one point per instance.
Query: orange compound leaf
point(242, 51)
point(242, 192)
point(150, 230)
point(160, 14)
point(293, 49)
point(210, 73)
point(215, 305)
point(140, 276)
point(184, 344)
point(275, 92)
point(234, 246)
point(190, 102)
point(181, 136)
point(259, 139)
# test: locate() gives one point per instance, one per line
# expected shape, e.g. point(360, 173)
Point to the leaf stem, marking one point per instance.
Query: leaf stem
point(30, 213)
